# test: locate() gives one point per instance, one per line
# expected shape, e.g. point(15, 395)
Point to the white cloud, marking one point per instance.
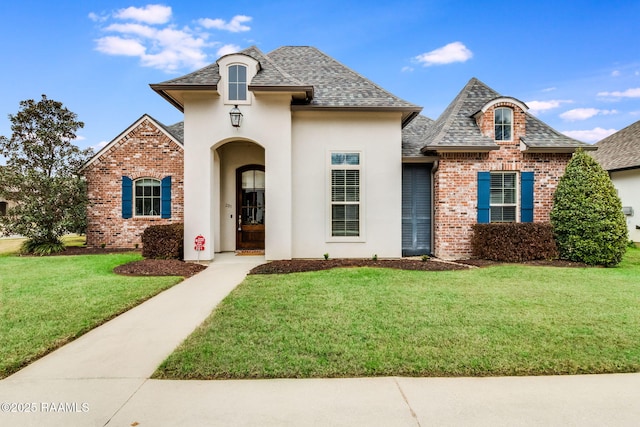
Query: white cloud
point(593, 135)
point(234, 26)
point(114, 45)
point(549, 89)
point(629, 93)
point(227, 49)
point(97, 18)
point(584, 113)
point(150, 14)
point(407, 69)
point(147, 34)
point(615, 73)
point(536, 107)
point(453, 52)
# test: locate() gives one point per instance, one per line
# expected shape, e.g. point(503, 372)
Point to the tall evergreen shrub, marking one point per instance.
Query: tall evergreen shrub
point(587, 214)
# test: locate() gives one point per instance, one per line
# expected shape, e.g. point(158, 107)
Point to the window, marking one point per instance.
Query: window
point(237, 83)
point(502, 201)
point(147, 197)
point(503, 124)
point(345, 194)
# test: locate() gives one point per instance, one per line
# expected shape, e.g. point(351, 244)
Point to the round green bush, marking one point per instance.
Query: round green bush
point(587, 217)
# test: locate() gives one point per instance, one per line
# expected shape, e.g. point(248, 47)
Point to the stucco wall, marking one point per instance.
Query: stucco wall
point(628, 185)
point(266, 123)
point(377, 136)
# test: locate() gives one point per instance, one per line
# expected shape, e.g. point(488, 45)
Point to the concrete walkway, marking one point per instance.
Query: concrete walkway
point(101, 379)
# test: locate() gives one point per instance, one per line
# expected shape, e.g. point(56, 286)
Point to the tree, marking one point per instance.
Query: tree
point(587, 214)
point(41, 175)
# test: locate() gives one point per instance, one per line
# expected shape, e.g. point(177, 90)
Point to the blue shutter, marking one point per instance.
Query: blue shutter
point(526, 197)
point(484, 192)
point(165, 197)
point(127, 197)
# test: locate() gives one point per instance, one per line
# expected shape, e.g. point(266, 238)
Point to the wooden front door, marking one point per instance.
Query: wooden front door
point(250, 211)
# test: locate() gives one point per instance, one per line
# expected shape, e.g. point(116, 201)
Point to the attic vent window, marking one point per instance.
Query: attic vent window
point(237, 83)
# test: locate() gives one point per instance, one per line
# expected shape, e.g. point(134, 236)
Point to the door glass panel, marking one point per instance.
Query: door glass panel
point(253, 197)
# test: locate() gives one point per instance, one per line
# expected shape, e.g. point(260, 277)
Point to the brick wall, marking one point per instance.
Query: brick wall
point(144, 151)
point(455, 185)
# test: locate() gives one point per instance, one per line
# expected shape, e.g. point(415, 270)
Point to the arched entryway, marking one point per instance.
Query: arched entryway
point(250, 207)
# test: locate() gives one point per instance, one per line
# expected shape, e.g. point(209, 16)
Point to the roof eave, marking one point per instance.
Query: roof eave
point(408, 113)
point(308, 90)
point(163, 91)
point(460, 148)
point(554, 149)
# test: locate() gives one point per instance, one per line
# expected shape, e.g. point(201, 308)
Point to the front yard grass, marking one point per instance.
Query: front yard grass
point(46, 302)
point(503, 320)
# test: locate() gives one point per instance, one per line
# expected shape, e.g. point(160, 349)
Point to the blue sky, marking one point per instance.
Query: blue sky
point(575, 63)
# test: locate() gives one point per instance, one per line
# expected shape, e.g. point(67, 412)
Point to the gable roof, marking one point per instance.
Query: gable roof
point(326, 82)
point(620, 150)
point(456, 128)
point(175, 132)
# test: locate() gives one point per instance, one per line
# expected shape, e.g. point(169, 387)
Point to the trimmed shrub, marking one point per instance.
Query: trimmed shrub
point(587, 214)
point(513, 242)
point(163, 241)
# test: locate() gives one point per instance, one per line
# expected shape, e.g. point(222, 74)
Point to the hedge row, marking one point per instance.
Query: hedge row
point(163, 241)
point(514, 242)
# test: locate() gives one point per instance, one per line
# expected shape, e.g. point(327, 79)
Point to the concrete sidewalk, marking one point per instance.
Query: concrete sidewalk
point(101, 379)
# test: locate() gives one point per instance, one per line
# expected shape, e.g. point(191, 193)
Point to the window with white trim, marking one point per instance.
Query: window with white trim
point(503, 120)
point(503, 204)
point(345, 194)
point(147, 197)
point(237, 83)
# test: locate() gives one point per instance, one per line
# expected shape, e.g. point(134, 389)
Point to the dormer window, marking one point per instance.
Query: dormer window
point(237, 83)
point(503, 124)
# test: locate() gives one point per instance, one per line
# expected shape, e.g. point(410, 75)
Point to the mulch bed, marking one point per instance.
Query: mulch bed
point(302, 265)
point(159, 267)
point(172, 267)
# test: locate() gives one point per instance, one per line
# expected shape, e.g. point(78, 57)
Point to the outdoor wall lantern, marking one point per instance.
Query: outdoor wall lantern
point(235, 115)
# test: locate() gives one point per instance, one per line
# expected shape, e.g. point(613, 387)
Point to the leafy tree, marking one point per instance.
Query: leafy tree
point(587, 214)
point(41, 175)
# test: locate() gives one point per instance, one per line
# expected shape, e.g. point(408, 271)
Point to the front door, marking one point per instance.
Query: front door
point(250, 204)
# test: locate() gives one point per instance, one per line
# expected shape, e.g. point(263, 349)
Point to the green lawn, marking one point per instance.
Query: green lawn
point(11, 246)
point(505, 320)
point(48, 301)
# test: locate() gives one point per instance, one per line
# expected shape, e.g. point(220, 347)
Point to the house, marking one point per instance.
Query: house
point(295, 154)
point(619, 154)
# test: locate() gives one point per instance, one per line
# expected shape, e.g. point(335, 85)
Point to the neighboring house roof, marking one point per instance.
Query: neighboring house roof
point(413, 134)
point(175, 132)
point(326, 82)
point(456, 128)
point(620, 150)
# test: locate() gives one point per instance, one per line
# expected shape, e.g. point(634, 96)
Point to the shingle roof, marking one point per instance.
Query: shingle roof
point(412, 136)
point(176, 129)
point(456, 128)
point(620, 150)
point(329, 83)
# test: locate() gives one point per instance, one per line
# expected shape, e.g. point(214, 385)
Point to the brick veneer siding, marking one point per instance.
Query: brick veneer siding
point(455, 185)
point(143, 152)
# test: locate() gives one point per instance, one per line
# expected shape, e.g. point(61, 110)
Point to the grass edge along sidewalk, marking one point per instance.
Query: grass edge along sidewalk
point(46, 302)
point(502, 320)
